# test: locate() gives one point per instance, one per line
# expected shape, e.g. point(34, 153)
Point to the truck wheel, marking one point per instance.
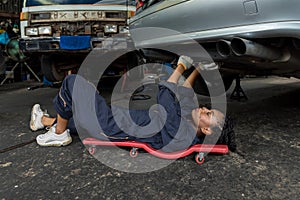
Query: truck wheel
point(50, 69)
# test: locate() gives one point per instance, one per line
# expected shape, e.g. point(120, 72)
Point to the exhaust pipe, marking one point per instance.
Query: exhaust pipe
point(243, 47)
point(223, 48)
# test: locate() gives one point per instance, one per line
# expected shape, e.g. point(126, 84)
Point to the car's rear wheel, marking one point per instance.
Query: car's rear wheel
point(134, 66)
point(215, 86)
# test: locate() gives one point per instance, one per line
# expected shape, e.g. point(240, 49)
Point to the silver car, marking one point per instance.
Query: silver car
point(245, 37)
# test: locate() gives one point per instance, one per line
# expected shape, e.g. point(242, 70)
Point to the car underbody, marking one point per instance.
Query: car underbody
point(250, 37)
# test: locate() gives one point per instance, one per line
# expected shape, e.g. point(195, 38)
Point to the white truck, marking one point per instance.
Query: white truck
point(62, 32)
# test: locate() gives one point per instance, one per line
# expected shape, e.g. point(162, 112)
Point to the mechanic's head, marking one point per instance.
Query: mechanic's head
point(207, 120)
point(213, 121)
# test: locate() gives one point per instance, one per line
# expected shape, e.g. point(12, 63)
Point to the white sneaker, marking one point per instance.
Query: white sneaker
point(36, 117)
point(52, 139)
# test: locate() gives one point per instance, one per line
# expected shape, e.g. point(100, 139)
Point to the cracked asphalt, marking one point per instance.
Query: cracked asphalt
point(266, 165)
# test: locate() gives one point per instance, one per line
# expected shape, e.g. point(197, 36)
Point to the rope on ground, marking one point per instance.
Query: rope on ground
point(17, 146)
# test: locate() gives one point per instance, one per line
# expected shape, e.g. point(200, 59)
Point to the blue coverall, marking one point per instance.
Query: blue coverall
point(80, 101)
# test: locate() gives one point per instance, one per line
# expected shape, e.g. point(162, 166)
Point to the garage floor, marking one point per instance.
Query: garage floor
point(265, 167)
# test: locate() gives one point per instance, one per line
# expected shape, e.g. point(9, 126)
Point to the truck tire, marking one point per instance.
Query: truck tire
point(50, 70)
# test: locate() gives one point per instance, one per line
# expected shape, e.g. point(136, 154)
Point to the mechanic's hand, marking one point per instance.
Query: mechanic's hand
point(185, 61)
point(208, 66)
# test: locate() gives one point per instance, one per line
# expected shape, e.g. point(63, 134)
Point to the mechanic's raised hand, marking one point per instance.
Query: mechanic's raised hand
point(185, 61)
point(208, 66)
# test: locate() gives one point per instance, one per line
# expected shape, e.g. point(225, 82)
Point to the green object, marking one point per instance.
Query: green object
point(13, 50)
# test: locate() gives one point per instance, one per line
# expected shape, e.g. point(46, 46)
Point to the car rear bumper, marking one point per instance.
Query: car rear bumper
point(263, 30)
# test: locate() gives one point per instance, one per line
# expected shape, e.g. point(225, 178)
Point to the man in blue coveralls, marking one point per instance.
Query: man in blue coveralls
point(174, 125)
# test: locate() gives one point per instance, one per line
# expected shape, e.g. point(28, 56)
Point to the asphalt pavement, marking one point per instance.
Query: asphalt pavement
point(266, 165)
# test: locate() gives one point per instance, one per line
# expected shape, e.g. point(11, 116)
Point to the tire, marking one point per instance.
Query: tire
point(50, 70)
point(133, 64)
point(133, 153)
point(198, 160)
point(158, 55)
point(92, 150)
point(200, 86)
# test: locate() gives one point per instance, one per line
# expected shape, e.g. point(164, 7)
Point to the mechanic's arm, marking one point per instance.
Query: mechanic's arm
point(184, 63)
point(186, 95)
point(189, 82)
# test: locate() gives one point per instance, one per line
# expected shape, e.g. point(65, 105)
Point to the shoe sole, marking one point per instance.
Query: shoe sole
point(55, 144)
point(31, 124)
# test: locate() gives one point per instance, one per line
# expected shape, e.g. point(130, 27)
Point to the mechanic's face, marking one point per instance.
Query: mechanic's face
point(204, 118)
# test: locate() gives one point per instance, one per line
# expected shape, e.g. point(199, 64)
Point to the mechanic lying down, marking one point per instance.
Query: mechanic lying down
point(174, 124)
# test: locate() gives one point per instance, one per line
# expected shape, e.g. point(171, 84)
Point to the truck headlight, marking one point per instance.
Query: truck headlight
point(31, 31)
point(123, 29)
point(45, 30)
point(110, 28)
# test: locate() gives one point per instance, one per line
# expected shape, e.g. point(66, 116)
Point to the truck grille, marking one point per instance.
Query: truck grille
point(73, 16)
point(72, 23)
point(115, 15)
